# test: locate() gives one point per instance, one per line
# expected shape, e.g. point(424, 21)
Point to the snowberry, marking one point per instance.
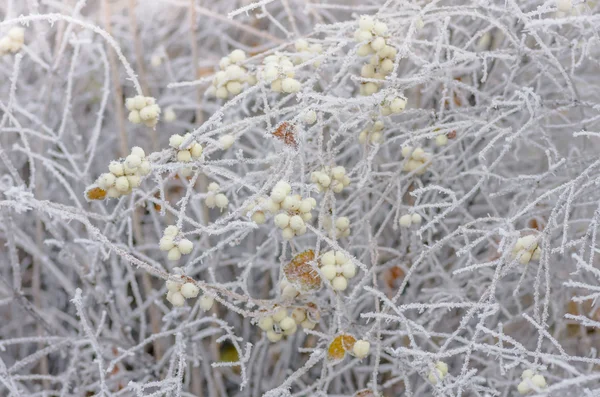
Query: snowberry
point(441, 140)
point(259, 217)
point(405, 220)
point(166, 243)
point(438, 373)
point(366, 22)
point(349, 270)
point(174, 254)
point(339, 283)
point(226, 141)
point(329, 271)
point(342, 223)
point(310, 117)
point(122, 184)
point(288, 233)
point(175, 141)
point(185, 246)
point(265, 323)
point(378, 43)
point(221, 201)
point(143, 109)
point(206, 302)
point(173, 286)
point(278, 195)
point(176, 298)
point(134, 181)
point(361, 348)
point(171, 231)
point(416, 219)
point(282, 220)
point(189, 290)
point(184, 156)
point(274, 337)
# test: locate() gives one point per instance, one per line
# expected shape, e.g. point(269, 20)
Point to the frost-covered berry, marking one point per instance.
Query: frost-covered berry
point(226, 141)
point(361, 348)
point(189, 290)
point(206, 302)
point(176, 298)
point(393, 105)
point(310, 117)
point(438, 373)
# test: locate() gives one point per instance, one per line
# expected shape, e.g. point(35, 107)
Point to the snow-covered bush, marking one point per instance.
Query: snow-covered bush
point(340, 198)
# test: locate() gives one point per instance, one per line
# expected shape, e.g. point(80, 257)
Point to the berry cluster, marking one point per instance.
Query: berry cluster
point(373, 34)
point(125, 175)
point(530, 382)
point(334, 179)
point(279, 71)
point(526, 249)
point(373, 134)
point(143, 109)
point(178, 293)
point(283, 323)
point(192, 152)
point(417, 159)
point(214, 199)
point(228, 82)
point(338, 269)
point(392, 105)
point(407, 220)
point(438, 373)
point(259, 207)
point(307, 51)
point(13, 41)
point(173, 242)
point(297, 210)
point(340, 229)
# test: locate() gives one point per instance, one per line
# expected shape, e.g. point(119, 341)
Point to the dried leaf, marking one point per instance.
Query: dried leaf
point(301, 274)
point(339, 346)
point(96, 194)
point(286, 132)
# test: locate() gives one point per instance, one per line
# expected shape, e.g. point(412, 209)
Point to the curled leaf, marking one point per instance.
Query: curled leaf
point(96, 193)
point(301, 274)
point(286, 132)
point(339, 346)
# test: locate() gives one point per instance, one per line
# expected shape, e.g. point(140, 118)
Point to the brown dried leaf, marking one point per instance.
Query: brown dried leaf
point(365, 393)
point(339, 346)
point(300, 273)
point(286, 132)
point(96, 194)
